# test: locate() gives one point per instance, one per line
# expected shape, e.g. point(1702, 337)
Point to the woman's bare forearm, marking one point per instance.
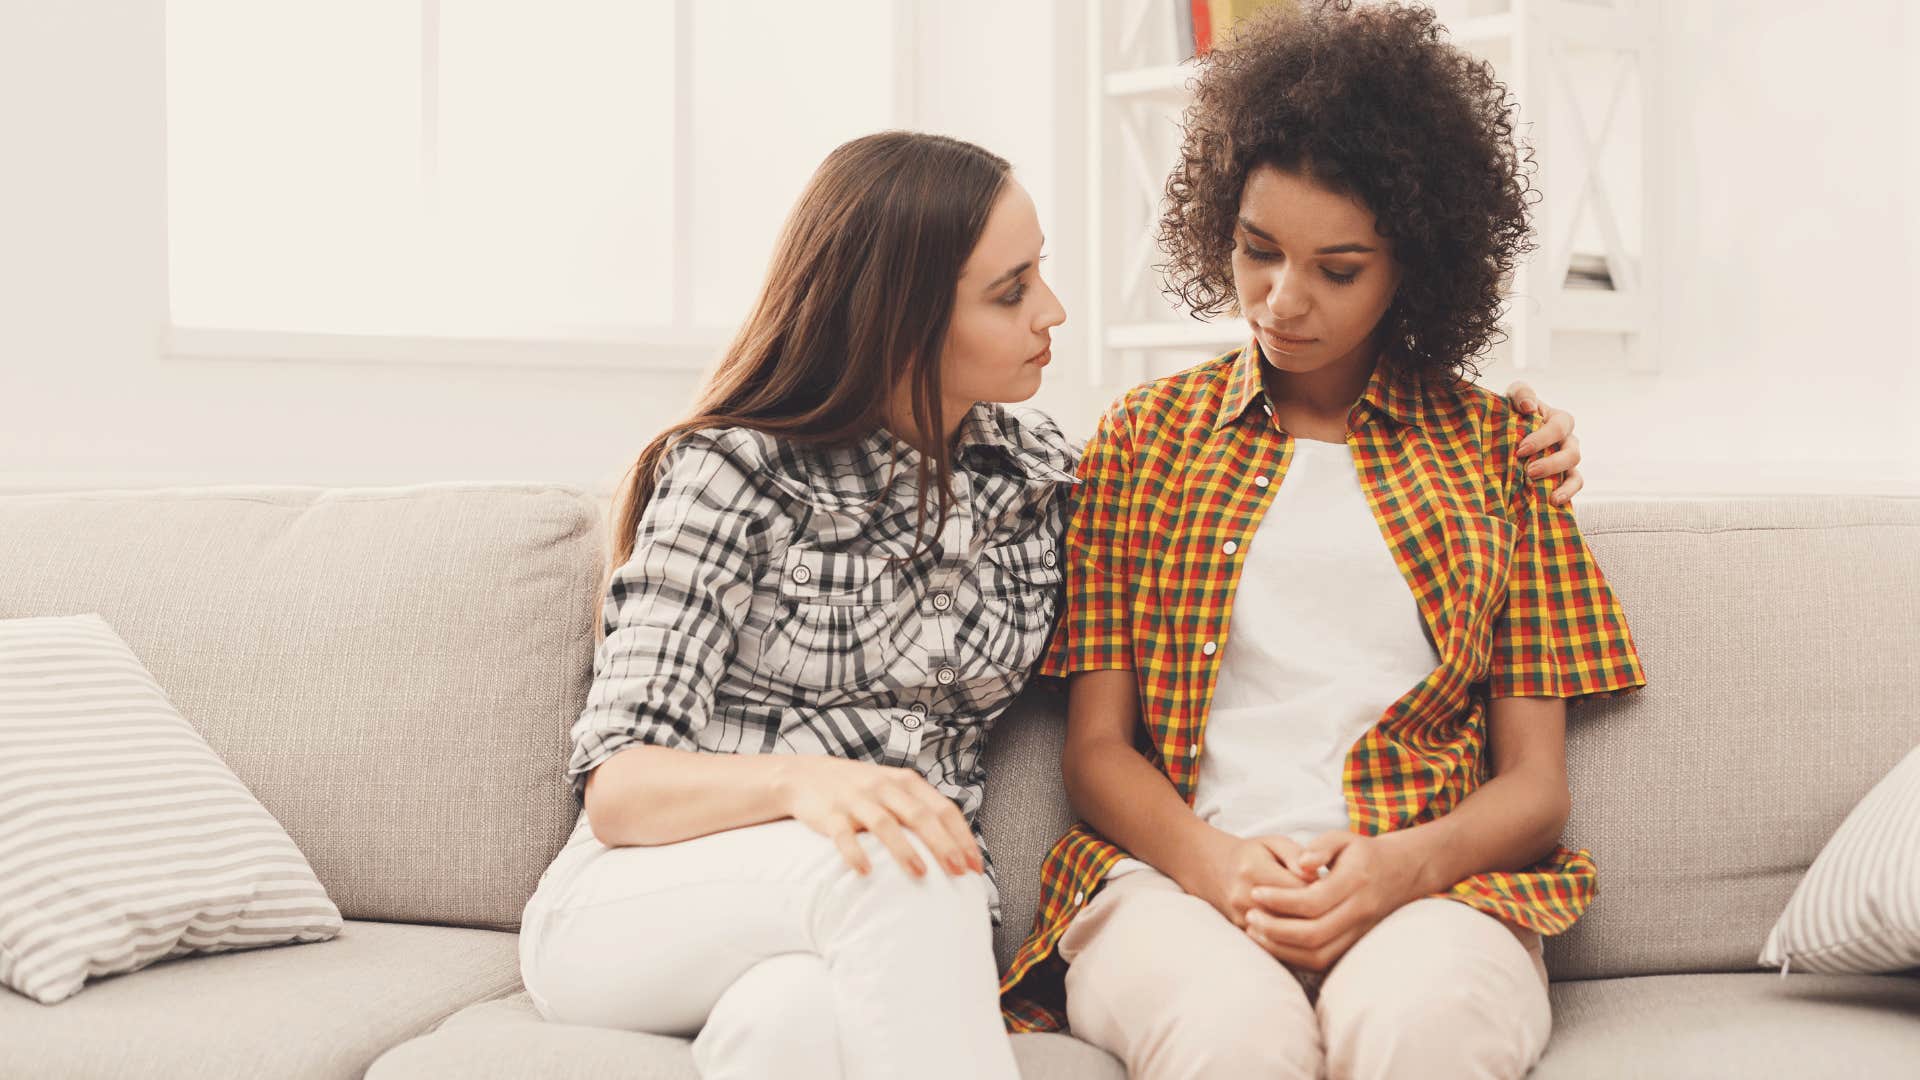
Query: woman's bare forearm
point(1516, 817)
point(1121, 794)
point(646, 795)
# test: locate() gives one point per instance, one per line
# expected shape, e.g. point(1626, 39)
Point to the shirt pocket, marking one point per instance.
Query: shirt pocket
point(1020, 583)
point(837, 621)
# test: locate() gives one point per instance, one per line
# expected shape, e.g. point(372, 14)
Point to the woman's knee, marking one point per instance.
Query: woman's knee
point(1168, 985)
point(777, 1019)
point(1446, 987)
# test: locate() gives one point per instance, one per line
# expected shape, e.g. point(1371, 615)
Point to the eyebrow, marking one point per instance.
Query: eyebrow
point(1336, 249)
point(1013, 273)
point(1008, 276)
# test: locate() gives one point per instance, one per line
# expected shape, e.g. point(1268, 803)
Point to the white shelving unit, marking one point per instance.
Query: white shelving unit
point(1545, 50)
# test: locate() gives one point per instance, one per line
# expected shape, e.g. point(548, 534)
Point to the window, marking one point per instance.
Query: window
point(499, 179)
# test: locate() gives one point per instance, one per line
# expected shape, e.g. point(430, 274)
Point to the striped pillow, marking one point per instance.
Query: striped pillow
point(1858, 909)
point(124, 839)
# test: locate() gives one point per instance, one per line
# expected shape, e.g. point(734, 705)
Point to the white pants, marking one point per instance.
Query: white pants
point(1161, 980)
point(779, 959)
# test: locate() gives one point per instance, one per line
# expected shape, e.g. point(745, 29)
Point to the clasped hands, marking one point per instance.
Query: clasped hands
point(1308, 903)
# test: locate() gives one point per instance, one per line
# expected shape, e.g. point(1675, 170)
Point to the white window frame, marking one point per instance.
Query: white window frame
point(679, 346)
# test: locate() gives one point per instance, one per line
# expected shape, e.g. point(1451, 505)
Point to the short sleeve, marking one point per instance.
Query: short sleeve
point(1093, 632)
point(1563, 633)
point(672, 611)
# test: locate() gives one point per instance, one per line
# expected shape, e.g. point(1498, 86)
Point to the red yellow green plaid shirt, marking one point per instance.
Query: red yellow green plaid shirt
point(1515, 603)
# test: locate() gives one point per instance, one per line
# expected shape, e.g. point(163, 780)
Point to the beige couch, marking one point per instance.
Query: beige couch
point(393, 673)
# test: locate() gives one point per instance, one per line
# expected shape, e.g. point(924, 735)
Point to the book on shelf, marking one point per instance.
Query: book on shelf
point(1588, 271)
point(1190, 34)
point(1200, 23)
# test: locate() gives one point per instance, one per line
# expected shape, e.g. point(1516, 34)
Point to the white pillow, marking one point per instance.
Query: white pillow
point(124, 839)
point(1858, 908)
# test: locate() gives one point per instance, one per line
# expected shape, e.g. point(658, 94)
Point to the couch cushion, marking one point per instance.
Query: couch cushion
point(506, 1039)
point(124, 839)
point(1754, 1024)
point(391, 671)
point(1858, 909)
point(325, 1010)
point(1025, 808)
point(1778, 637)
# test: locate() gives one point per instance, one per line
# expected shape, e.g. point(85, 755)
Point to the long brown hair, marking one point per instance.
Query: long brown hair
point(857, 300)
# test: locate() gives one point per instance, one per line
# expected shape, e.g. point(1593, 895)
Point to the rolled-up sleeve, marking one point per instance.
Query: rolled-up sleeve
point(672, 611)
point(1563, 633)
point(1093, 633)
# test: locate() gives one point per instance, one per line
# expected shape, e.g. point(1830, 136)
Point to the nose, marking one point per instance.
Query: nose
point(1052, 313)
point(1287, 294)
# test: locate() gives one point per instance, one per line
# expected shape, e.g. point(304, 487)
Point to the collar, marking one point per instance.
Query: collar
point(988, 436)
point(1390, 392)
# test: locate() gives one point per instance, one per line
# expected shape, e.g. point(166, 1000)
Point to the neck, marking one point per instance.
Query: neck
point(1327, 394)
point(900, 422)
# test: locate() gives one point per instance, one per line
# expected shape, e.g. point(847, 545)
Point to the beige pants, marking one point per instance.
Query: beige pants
point(1164, 982)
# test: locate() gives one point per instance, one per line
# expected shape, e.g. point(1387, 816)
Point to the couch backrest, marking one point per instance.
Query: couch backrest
point(1780, 639)
point(391, 671)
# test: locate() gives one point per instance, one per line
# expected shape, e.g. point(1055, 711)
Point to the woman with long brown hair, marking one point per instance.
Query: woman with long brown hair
point(828, 582)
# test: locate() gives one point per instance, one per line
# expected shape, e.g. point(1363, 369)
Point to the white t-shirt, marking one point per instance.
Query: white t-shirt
point(1324, 636)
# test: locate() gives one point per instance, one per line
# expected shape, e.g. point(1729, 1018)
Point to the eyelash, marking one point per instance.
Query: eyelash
point(1269, 256)
point(1019, 293)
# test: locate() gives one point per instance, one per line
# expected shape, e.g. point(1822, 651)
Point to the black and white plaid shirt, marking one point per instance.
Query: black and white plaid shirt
point(763, 610)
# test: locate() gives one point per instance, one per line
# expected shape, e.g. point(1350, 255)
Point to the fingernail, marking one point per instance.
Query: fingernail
point(1535, 471)
point(957, 864)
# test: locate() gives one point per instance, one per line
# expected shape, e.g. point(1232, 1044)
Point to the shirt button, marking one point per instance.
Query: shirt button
point(1049, 558)
point(917, 707)
point(1229, 547)
point(1079, 897)
point(1261, 481)
point(1207, 649)
point(942, 601)
point(946, 675)
point(802, 575)
point(910, 721)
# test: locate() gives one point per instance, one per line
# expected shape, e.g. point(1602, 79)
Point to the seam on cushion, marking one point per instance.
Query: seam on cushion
point(293, 496)
point(1640, 531)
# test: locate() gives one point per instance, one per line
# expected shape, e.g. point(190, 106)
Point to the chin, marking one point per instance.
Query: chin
point(1018, 389)
point(1293, 364)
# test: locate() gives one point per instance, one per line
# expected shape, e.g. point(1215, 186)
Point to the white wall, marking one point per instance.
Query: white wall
point(85, 398)
point(1789, 359)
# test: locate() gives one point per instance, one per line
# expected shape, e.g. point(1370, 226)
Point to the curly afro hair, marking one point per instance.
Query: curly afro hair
point(1369, 103)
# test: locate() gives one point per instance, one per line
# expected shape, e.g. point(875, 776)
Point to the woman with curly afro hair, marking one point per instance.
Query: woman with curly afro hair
point(1324, 613)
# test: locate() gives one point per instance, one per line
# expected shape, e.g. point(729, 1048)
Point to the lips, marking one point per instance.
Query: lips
point(1273, 339)
point(1279, 338)
point(1042, 356)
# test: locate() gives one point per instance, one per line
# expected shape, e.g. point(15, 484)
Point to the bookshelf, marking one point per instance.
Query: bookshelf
point(1586, 75)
